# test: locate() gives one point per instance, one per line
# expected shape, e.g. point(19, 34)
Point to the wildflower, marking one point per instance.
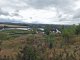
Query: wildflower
point(46, 44)
point(22, 51)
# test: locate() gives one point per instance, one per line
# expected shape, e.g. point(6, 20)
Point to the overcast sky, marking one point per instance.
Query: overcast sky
point(40, 11)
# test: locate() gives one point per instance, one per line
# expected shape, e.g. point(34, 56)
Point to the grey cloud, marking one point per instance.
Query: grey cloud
point(63, 5)
point(6, 20)
point(70, 21)
point(15, 4)
point(30, 17)
point(59, 16)
point(7, 14)
point(4, 13)
point(16, 10)
point(15, 14)
point(77, 14)
point(62, 19)
point(9, 20)
point(46, 3)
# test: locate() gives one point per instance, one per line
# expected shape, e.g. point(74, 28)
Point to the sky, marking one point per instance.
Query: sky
point(64, 12)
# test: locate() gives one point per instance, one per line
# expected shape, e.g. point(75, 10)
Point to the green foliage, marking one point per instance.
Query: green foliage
point(0, 42)
point(68, 33)
point(14, 33)
point(47, 30)
point(62, 43)
point(73, 28)
point(77, 30)
point(28, 54)
point(35, 30)
point(53, 48)
point(62, 28)
point(3, 36)
point(47, 40)
point(52, 35)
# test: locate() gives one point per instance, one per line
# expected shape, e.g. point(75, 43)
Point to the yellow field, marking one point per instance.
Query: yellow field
point(2, 25)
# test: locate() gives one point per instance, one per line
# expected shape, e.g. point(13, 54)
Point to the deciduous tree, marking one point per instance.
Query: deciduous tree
point(47, 30)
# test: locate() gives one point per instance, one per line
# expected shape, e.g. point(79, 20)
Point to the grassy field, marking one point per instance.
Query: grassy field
point(12, 47)
point(13, 33)
point(29, 45)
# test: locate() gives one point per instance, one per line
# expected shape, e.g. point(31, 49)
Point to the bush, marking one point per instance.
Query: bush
point(68, 34)
point(0, 42)
point(28, 54)
point(3, 36)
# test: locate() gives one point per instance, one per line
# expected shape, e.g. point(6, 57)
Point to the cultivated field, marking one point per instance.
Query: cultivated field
point(2, 25)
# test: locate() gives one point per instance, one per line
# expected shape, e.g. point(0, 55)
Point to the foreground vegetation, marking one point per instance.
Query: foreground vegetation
point(42, 46)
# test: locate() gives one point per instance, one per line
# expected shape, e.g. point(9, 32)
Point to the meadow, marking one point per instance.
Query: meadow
point(29, 45)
